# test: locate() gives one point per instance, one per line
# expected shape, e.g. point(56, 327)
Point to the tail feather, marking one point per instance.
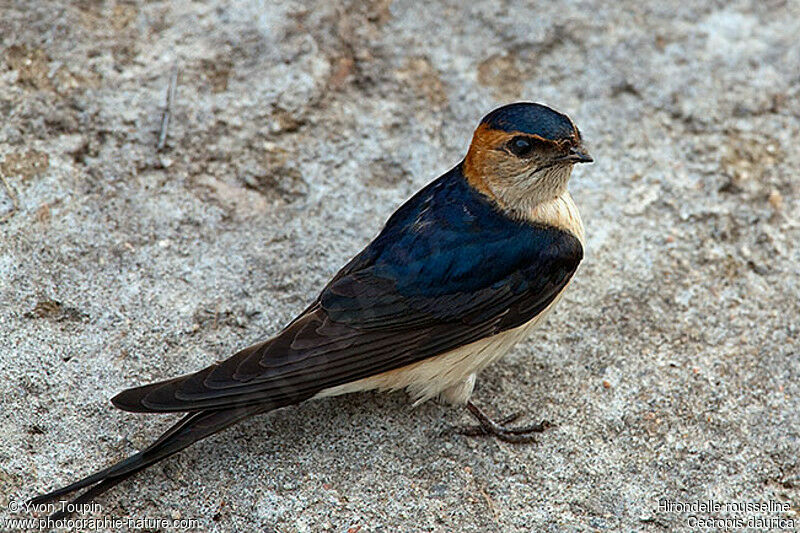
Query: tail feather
point(190, 429)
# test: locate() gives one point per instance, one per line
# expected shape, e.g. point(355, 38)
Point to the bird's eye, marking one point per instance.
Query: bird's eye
point(520, 146)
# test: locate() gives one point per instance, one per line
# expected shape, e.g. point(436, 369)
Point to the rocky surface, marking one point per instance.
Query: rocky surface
point(671, 368)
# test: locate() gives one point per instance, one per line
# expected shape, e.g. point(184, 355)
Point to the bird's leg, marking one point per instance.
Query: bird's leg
point(487, 426)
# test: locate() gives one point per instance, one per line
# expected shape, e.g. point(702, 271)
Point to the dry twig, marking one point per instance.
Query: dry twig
point(162, 134)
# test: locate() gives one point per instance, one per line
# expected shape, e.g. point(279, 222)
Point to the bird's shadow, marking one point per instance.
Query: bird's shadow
point(297, 437)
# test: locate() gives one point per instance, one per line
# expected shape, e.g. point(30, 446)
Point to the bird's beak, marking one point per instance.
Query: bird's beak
point(578, 154)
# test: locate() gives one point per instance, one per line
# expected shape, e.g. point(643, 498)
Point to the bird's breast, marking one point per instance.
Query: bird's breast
point(561, 213)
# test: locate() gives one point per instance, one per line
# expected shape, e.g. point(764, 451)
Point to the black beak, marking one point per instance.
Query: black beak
point(578, 155)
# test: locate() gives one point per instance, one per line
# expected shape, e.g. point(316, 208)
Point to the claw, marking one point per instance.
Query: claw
point(510, 418)
point(487, 426)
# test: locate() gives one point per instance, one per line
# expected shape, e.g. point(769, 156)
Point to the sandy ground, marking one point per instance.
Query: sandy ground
point(671, 368)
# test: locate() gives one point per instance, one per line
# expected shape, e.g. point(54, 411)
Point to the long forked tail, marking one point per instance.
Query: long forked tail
point(190, 429)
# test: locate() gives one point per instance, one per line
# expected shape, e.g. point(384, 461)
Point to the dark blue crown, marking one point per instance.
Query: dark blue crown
point(530, 118)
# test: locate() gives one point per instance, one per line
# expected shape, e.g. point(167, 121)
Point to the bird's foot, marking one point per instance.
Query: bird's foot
point(498, 428)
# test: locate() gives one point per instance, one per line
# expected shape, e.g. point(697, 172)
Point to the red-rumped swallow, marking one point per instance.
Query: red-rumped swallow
point(460, 273)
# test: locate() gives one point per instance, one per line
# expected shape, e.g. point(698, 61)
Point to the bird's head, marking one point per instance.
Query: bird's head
point(522, 155)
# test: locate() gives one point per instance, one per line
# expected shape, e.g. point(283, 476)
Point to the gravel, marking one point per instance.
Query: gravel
point(671, 368)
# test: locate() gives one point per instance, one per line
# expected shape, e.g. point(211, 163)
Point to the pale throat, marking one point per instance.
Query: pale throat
point(543, 200)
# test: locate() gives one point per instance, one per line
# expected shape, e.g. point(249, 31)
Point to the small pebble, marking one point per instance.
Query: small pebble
point(775, 199)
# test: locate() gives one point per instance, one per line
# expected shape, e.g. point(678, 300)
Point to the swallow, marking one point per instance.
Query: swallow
point(458, 275)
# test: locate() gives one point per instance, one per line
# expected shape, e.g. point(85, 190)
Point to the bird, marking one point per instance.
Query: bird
point(459, 274)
